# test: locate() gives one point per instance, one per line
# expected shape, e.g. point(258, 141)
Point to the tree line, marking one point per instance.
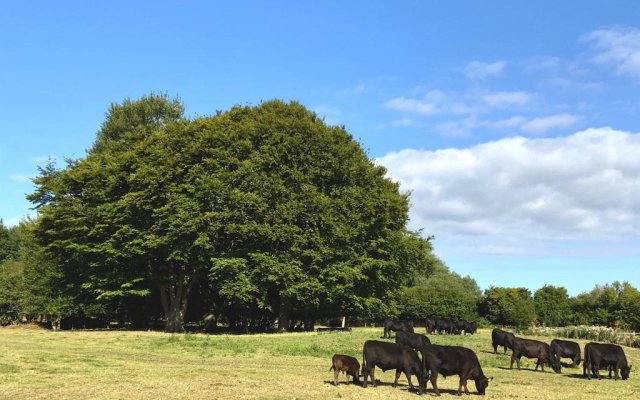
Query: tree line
point(259, 218)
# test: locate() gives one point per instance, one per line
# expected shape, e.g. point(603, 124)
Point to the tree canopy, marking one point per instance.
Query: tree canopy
point(281, 215)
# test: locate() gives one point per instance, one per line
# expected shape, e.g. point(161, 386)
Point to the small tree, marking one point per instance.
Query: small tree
point(552, 305)
point(509, 306)
point(445, 295)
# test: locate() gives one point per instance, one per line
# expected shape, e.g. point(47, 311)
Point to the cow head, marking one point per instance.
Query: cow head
point(624, 372)
point(482, 383)
point(555, 365)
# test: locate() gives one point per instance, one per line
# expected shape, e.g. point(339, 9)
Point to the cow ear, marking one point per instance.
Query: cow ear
point(490, 379)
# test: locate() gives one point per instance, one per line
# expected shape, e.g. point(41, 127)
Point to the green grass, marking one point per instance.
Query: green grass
point(150, 365)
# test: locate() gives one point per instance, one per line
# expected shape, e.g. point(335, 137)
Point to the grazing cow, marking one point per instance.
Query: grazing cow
point(566, 348)
point(347, 364)
point(534, 349)
point(396, 325)
point(454, 360)
point(601, 355)
point(467, 327)
point(414, 340)
point(388, 356)
point(446, 325)
point(501, 338)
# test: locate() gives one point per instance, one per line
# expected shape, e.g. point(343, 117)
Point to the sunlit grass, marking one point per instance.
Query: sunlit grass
point(150, 365)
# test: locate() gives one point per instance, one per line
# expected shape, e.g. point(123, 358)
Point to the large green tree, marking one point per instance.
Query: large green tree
point(286, 216)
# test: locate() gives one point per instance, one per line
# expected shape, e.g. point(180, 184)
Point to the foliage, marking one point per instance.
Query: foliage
point(443, 294)
point(267, 200)
point(592, 333)
point(614, 305)
point(509, 306)
point(8, 243)
point(552, 305)
point(11, 287)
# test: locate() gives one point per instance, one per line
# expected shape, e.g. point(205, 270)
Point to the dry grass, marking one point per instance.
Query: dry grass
point(75, 365)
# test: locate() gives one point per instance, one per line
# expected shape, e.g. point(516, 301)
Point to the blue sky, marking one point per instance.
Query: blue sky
point(513, 124)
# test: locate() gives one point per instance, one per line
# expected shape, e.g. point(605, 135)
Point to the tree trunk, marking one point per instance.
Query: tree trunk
point(174, 297)
point(283, 315)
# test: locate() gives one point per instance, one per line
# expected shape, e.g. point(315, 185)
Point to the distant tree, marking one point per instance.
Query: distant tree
point(8, 242)
point(442, 294)
point(11, 290)
point(47, 294)
point(509, 306)
point(615, 305)
point(552, 305)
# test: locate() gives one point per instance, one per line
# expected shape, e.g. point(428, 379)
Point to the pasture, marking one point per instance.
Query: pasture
point(40, 364)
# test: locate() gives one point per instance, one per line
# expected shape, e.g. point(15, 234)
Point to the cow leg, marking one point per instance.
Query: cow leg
point(495, 349)
point(373, 378)
point(398, 372)
point(433, 379)
point(335, 376)
point(505, 350)
point(365, 376)
point(408, 375)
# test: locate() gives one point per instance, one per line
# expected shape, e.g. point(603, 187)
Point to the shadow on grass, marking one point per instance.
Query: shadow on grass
point(526, 369)
point(593, 378)
point(497, 354)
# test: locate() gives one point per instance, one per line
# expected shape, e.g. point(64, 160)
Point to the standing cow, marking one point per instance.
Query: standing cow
point(566, 349)
point(534, 349)
point(454, 360)
point(386, 356)
point(396, 325)
point(605, 355)
point(501, 338)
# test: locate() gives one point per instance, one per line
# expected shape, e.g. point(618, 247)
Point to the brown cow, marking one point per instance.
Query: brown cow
point(346, 364)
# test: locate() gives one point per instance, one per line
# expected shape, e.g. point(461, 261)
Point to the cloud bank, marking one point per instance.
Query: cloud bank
point(581, 187)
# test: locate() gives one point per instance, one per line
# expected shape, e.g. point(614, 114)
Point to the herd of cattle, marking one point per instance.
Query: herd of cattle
point(456, 360)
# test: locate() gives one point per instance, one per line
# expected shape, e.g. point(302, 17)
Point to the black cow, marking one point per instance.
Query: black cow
point(534, 349)
point(601, 355)
point(346, 364)
point(566, 348)
point(501, 338)
point(454, 360)
point(430, 325)
point(396, 325)
point(414, 340)
point(386, 356)
point(446, 325)
point(467, 327)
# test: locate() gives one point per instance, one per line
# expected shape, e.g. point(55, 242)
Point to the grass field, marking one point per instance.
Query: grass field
point(37, 363)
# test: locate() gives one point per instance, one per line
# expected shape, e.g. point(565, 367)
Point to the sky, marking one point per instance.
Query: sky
point(514, 125)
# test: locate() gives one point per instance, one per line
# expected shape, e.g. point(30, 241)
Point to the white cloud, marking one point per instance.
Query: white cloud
point(506, 99)
point(358, 89)
point(477, 70)
point(20, 178)
point(518, 189)
point(405, 122)
point(404, 104)
point(543, 124)
point(538, 125)
point(542, 63)
point(618, 46)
